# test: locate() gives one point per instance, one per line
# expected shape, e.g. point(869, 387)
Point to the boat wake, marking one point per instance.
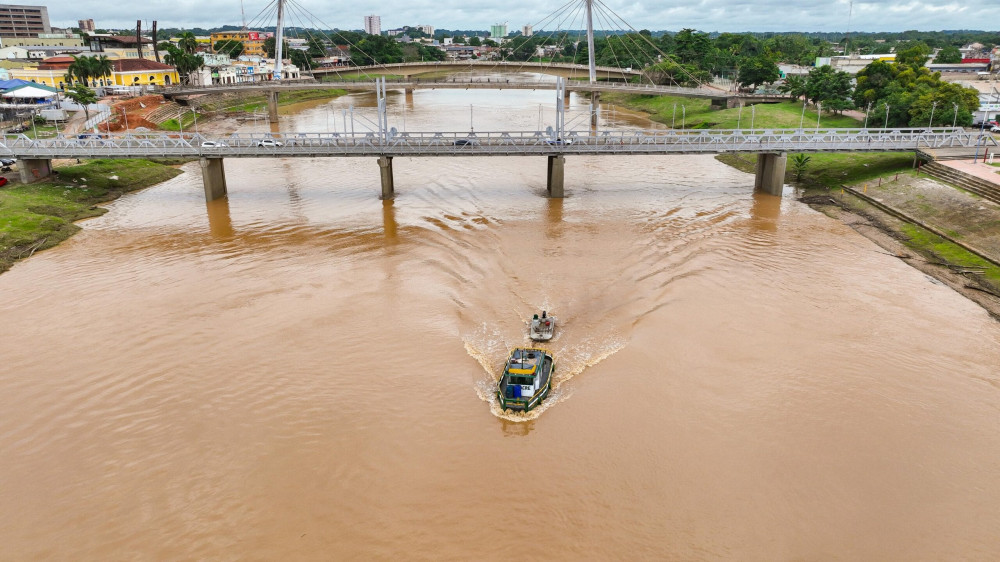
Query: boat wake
point(490, 346)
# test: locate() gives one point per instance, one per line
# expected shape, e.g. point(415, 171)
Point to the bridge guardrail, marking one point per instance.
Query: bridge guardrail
point(512, 143)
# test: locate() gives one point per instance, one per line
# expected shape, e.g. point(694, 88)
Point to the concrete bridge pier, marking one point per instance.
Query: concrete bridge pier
point(770, 176)
point(385, 168)
point(272, 107)
point(408, 92)
point(213, 175)
point(33, 169)
point(557, 163)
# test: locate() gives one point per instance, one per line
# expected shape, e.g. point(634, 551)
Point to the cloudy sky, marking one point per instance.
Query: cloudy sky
point(716, 15)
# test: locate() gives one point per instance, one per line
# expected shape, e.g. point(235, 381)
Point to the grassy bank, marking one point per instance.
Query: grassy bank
point(40, 215)
point(695, 113)
point(830, 171)
point(247, 103)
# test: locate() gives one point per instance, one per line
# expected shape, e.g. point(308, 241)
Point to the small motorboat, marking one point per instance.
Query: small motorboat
point(542, 329)
point(526, 379)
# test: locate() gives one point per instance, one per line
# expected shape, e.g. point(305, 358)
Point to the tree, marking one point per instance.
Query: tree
point(825, 85)
point(188, 43)
point(184, 62)
point(872, 82)
point(269, 47)
point(376, 49)
point(100, 67)
point(757, 70)
point(229, 47)
point(673, 73)
point(82, 95)
point(799, 164)
point(794, 86)
point(949, 55)
point(317, 48)
point(301, 59)
point(82, 69)
point(475, 42)
point(914, 56)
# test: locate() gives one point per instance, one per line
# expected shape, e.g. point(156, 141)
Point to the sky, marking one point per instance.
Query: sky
point(672, 15)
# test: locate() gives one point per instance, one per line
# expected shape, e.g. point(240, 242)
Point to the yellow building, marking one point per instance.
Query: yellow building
point(125, 72)
point(253, 42)
point(141, 72)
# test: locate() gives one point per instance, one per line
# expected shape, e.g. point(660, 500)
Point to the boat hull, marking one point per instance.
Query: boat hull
point(545, 371)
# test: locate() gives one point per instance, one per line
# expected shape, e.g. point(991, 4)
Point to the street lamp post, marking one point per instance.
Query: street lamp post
point(739, 116)
point(125, 114)
point(802, 119)
point(673, 118)
point(753, 115)
point(683, 116)
point(931, 122)
point(819, 111)
point(886, 126)
point(955, 120)
point(867, 109)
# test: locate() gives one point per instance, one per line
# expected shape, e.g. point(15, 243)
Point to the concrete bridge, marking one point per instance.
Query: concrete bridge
point(408, 69)
point(770, 145)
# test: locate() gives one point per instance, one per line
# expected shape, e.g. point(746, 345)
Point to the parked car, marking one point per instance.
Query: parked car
point(268, 143)
point(7, 161)
point(3, 181)
point(88, 136)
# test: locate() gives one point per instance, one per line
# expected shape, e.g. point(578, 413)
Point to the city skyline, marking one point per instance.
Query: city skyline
point(735, 16)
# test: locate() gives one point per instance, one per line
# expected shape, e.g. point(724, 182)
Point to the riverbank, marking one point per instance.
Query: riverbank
point(695, 113)
point(921, 220)
point(38, 216)
point(224, 105)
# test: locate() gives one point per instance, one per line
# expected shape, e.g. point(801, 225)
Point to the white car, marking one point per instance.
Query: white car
point(268, 143)
point(213, 144)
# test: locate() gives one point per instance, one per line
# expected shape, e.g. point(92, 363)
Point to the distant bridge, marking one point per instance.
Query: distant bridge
point(564, 69)
point(770, 145)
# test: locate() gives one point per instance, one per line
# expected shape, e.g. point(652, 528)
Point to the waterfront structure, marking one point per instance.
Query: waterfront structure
point(252, 41)
point(18, 20)
point(498, 30)
point(373, 25)
point(86, 25)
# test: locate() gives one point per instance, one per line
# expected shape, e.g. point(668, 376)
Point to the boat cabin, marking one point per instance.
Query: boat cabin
point(526, 378)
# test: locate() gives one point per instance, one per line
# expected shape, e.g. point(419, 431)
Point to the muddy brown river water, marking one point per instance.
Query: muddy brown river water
point(303, 371)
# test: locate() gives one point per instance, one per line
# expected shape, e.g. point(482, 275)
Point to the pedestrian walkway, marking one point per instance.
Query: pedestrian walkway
point(983, 171)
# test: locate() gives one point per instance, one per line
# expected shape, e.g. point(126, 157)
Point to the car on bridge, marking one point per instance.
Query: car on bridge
point(268, 143)
point(213, 144)
point(465, 142)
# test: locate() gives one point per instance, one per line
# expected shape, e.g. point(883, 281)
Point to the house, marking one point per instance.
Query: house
point(142, 72)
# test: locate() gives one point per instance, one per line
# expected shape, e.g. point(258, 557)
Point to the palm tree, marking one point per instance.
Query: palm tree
point(101, 67)
point(81, 69)
point(188, 43)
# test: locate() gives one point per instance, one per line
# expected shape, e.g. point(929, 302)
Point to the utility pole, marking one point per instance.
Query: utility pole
point(156, 52)
point(278, 40)
point(138, 36)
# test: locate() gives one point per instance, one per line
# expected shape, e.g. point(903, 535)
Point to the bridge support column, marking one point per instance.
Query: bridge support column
point(566, 97)
point(557, 163)
point(385, 167)
point(213, 175)
point(595, 108)
point(33, 169)
point(770, 176)
point(408, 91)
point(272, 107)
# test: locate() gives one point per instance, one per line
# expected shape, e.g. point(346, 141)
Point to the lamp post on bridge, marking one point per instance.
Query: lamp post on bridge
point(739, 116)
point(819, 112)
point(931, 122)
point(867, 109)
point(886, 126)
point(955, 120)
point(802, 119)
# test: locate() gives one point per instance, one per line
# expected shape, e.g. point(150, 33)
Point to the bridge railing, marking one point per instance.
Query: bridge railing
point(458, 143)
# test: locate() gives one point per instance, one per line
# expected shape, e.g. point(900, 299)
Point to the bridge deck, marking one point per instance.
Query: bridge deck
point(522, 143)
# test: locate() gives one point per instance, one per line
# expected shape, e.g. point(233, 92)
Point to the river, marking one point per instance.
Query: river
point(303, 371)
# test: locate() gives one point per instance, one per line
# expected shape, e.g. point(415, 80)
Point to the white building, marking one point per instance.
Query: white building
point(527, 31)
point(373, 25)
point(428, 29)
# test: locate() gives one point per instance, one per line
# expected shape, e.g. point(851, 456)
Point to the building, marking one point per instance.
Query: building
point(44, 40)
point(527, 31)
point(252, 41)
point(373, 25)
point(86, 25)
point(498, 30)
point(428, 29)
point(23, 21)
point(141, 72)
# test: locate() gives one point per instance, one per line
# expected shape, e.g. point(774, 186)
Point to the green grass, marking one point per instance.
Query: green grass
point(40, 215)
point(186, 122)
point(931, 244)
point(696, 113)
point(830, 171)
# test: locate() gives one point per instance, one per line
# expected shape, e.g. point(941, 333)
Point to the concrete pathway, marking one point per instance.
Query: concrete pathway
point(983, 171)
